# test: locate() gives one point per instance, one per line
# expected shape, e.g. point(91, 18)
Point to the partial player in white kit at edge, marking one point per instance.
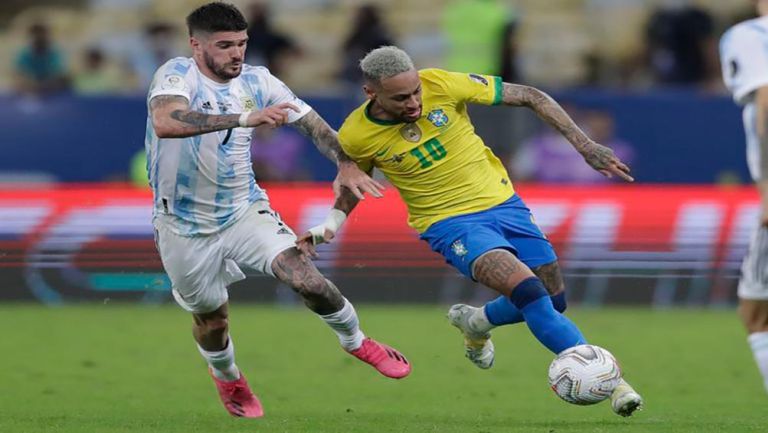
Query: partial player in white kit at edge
point(744, 59)
point(210, 216)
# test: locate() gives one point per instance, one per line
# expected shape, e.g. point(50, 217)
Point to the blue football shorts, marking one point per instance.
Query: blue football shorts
point(463, 238)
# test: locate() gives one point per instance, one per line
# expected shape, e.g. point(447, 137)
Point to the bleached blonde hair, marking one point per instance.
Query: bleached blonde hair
point(385, 62)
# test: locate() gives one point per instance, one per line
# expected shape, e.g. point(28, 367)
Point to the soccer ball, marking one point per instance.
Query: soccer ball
point(584, 374)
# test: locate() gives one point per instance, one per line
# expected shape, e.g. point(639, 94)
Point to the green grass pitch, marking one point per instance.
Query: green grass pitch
point(126, 368)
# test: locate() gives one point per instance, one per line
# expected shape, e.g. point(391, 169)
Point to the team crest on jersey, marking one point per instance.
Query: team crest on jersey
point(411, 132)
point(438, 117)
point(248, 103)
point(459, 249)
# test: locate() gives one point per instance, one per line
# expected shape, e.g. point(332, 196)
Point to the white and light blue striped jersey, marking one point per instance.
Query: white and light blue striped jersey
point(206, 182)
point(744, 60)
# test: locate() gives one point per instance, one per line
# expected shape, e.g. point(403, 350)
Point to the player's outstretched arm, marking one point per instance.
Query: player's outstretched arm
point(599, 157)
point(172, 118)
point(325, 232)
point(327, 142)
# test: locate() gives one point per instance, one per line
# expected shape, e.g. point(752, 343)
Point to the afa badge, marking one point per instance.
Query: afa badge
point(248, 103)
point(438, 117)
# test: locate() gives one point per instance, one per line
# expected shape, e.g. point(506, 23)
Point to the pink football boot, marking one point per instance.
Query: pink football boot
point(383, 358)
point(238, 398)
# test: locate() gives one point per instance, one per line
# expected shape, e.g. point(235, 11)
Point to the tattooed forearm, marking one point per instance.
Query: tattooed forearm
point(172, 118)
point(201, 123)
point(296, 270)
point(324, 137)
point(346, 201)
point(548, 110)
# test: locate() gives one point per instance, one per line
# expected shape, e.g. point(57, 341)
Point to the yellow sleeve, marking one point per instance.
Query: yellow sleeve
point(474, 88)
point(354, 152)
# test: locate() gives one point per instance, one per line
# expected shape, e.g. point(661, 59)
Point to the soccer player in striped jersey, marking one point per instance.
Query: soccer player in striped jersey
point(744, 59)
point(416, 130)
point(210, 216)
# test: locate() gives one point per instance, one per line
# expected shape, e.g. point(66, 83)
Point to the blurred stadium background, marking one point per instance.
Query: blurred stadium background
point(642, 76)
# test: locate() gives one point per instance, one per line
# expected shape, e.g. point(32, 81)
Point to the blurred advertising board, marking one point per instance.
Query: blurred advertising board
point(658, 245)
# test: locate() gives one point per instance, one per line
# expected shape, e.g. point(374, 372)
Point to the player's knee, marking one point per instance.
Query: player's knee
point(218, 325)
point(754, 315)
point(559, 302)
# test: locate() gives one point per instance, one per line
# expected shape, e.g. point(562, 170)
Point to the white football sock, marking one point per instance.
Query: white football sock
point(479, 323)
point(759, 344)
point(222, 363)
point(346, 326)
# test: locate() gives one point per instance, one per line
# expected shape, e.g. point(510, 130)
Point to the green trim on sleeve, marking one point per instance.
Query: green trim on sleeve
point(498, 87)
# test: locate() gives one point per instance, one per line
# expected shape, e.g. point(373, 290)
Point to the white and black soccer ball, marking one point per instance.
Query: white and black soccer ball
point(584, 374)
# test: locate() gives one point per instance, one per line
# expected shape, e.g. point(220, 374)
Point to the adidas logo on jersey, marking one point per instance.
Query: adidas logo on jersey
point(283, 231)
point(207, 106)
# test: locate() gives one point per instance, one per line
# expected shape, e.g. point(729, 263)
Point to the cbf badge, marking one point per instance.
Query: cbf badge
point(438, 117)
point(411, 132)
point(459, 249)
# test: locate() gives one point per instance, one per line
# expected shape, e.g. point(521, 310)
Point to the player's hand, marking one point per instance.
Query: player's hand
point(307, 241)
point(602, 159)
point(272, 116)
point(357, 181)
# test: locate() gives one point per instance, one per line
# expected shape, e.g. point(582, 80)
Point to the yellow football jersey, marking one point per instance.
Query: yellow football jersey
point(438, 163)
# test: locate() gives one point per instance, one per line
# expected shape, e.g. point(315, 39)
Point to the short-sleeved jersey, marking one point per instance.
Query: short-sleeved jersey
point(438, 164)
point(744, 59)
point(206, 181)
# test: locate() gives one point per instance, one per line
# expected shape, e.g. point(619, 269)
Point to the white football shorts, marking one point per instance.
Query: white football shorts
point(753, 284)
point(201, 267)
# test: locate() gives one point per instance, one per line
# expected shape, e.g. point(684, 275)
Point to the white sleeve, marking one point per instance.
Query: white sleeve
point(278, 93)
point(173, 78)
point(744, 60)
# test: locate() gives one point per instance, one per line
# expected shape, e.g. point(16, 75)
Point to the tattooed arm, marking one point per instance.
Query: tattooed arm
point(323, 136)
point(327, 142)
point(172, 118)
point(599, 157)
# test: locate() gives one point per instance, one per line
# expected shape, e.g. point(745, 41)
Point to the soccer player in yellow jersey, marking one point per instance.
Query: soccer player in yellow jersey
point(415, 129)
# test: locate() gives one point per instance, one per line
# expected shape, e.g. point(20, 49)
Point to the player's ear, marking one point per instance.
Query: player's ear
point(369, 92)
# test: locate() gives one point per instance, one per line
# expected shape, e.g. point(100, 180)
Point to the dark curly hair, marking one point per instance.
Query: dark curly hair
point(216, 17)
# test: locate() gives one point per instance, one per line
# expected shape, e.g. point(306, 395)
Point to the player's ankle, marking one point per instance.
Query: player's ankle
point(478, 321)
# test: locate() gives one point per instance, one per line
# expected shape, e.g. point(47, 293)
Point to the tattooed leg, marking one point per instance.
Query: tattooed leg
point(503, 272)
point(321, 296)
point(296, 270)
point(552, 278)
point(500, 270)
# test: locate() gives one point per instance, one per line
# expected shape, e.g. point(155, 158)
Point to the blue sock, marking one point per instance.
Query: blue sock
point(548, 325)
point(501, 311)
